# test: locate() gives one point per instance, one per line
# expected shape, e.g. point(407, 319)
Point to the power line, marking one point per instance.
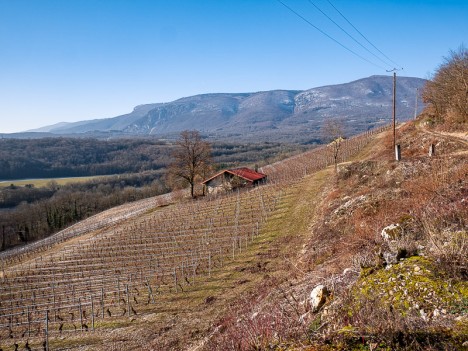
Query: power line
point(346, 32)
point(328, 36)
point(362, 35)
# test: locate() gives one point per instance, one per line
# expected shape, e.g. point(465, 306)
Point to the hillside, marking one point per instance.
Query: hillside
point(387, 240)
point(269, 115)
point(235, 272)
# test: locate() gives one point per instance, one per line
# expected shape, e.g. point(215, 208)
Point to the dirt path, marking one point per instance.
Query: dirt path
point(458, 136)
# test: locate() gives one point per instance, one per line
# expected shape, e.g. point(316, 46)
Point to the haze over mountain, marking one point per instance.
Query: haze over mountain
point(269, 115)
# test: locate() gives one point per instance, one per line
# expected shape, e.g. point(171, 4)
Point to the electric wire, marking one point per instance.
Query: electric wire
point(362, 35)
point(349, 35)
point(329, 36)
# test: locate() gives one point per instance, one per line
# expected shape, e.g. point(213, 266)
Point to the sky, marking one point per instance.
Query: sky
point(72, 60)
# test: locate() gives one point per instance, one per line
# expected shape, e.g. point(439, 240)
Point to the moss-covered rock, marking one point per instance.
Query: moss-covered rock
point(408, 305)
point(414, 284)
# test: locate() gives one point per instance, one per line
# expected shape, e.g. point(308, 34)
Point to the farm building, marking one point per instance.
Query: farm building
point(230, 179)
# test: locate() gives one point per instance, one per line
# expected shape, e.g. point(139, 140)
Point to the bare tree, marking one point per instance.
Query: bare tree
point(447, 91)
point(333, 133)
point(191, 158)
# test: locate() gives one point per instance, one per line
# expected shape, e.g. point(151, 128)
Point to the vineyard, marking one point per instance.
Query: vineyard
point(116, 265)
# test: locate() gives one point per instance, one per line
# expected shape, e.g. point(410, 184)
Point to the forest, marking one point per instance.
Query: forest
point(77, 157)
point(73, 157)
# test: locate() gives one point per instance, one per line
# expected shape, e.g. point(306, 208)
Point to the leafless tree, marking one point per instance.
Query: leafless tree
point(447, 91)
point(191, 158)
point(333, 133)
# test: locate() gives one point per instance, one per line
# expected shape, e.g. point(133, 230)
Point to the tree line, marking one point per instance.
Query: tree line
point(77, 157)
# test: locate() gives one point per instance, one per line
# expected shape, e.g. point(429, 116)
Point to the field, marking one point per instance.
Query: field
point(39, 183)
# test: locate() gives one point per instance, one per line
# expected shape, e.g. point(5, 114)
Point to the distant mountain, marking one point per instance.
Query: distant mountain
point(271, 115)
point(47, 129)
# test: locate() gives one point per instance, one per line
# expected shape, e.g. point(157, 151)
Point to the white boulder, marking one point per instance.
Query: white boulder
point(391, 232)
point(318, 297)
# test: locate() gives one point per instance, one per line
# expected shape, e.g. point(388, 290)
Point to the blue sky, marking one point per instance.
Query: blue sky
point(70, 60)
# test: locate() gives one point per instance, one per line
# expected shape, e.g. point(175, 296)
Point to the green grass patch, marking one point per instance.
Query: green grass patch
point(41, 183)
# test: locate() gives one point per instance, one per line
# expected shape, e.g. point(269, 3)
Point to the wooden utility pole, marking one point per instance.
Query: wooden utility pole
point(394, 109)
point(416, 104)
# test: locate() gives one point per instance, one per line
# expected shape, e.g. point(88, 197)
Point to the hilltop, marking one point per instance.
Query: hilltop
point(235, 272)
point(280, 115)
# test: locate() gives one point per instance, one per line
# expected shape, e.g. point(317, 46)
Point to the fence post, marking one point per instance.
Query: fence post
point(150, 291)
point(29, 322)
point(118, 287)
point(81, 313)
point(92, 312)
point(432, 150)
point(183, 273)
point(194, 272)
point(209, 264)
point(47, 331)
point(102, 302)
point(397, 152)
point(53, 292)
point(128, 300)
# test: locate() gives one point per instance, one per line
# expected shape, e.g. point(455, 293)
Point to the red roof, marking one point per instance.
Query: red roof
point(244, 172)
point(247, 173)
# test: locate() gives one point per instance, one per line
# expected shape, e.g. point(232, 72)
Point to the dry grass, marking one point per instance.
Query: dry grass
point(425, 196)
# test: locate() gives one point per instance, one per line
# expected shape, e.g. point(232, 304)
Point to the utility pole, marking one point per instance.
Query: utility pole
point(416, 104)
point(394, 107)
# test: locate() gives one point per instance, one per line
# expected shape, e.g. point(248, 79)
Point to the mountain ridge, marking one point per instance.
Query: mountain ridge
point(363, 104)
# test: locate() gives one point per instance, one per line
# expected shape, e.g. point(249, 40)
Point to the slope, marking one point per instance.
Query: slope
point(389, 243)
